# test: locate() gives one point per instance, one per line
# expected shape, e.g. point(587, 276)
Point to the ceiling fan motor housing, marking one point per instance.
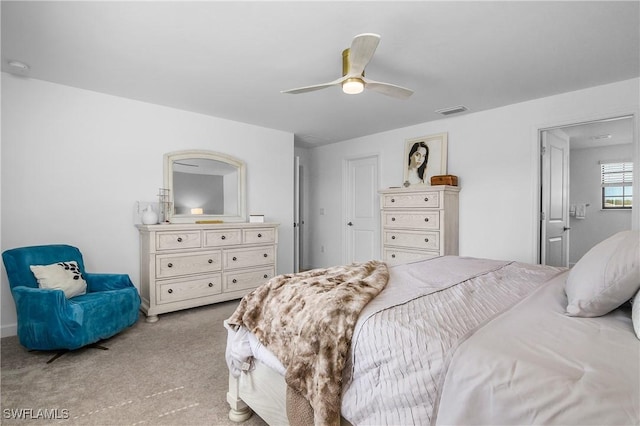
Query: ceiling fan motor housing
point(346, 64)
point(352, 85)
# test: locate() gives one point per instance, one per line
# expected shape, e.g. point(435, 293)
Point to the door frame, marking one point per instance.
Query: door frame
point(297, 212)
point(632, 112)
point(345, 190)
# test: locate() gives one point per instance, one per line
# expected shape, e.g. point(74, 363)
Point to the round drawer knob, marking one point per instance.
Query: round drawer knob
point(169, 265)
point(266, 276)
point(234, 258)
point(210, 284)
point(393, 256)
point(234, 281)
point(393, 200)
point(223, 237)
point(259, 235)
point(426, 240)
point(426, 219)
point(426, 198)
point(210, 260)
point(393, 219)
point(179, 239)
point(265, 255)
point(393, 237)
point(169, 291)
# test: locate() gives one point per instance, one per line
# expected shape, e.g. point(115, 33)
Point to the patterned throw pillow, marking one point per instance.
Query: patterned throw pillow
point(65, 276)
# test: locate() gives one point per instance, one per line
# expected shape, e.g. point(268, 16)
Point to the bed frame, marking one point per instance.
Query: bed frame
point(261, 390)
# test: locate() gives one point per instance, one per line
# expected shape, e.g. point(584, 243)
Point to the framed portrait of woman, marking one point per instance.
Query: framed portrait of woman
point(424, 157)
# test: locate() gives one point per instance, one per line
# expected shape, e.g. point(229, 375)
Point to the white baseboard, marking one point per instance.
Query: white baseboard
point(9, 330)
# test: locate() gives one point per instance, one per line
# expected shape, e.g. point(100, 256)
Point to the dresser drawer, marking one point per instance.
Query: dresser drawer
point(173, 265)
point(419, 240)
point(178, 240)
point(222, 238)
point(422, 200)
point(176, 291)
point(259, 235)
point(242, 258)
point(408, 220)
point(396, 256)
point(233, 281)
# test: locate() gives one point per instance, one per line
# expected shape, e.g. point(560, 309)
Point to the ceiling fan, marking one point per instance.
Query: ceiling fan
point(353, 81)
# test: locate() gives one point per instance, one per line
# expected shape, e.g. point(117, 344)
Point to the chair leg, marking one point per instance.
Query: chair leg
point(97, 346)
point(64, 351)
point(58, 355)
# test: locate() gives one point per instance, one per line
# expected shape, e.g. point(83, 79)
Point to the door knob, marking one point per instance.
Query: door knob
point(350, 224)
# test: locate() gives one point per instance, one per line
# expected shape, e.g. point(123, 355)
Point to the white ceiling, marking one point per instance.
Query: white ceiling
point(614, 131)
point(232, 59)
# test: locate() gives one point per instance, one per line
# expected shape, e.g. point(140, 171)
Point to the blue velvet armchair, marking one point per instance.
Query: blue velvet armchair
point(47, 320)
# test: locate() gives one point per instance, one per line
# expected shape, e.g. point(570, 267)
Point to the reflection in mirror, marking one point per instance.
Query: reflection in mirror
point(205, 185)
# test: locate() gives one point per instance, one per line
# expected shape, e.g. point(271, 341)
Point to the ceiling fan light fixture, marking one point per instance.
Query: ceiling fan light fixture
point(352, 86)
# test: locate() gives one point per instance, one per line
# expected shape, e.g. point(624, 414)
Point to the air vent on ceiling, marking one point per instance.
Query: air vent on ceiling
point(452, 110)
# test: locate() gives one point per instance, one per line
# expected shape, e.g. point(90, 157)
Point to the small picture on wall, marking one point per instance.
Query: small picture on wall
point(424, 157)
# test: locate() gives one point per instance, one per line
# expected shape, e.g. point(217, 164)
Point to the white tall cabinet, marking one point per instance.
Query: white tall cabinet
point(188, 265)
point(419, 223)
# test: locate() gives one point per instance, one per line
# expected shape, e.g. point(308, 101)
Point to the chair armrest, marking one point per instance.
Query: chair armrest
point(106, 282)
point(47, 305)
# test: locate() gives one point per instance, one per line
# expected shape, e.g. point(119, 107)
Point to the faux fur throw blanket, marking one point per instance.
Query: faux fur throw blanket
point(307, 321)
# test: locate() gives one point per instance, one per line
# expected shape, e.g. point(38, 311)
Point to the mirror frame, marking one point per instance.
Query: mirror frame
point(170, 157)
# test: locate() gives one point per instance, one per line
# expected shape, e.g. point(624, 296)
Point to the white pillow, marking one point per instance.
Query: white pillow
point(607, 276)
point(635, 314)
point(65, 276)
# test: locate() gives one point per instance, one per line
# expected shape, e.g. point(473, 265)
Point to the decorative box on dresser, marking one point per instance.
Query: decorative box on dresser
point(419, 223)
point(187, 265)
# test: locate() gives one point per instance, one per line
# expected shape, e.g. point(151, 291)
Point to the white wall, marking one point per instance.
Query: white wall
point(495, 155)
point(585, 187)
point(74, 162)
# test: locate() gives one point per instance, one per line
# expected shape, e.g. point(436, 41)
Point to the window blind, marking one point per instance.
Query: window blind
point(616, 174)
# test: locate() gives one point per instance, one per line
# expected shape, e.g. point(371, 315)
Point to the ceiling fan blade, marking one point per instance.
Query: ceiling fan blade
point(361, 51)
point(315, 87)
point(387, 89)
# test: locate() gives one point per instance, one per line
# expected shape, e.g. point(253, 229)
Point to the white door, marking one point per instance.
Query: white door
point(297, 251)
point(554, 226)
point(361, 213)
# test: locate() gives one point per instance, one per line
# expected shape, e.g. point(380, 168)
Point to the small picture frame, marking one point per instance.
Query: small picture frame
point(424, 157)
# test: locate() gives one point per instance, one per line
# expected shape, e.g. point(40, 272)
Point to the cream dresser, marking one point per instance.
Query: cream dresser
point(419, 223)
point(188, 265)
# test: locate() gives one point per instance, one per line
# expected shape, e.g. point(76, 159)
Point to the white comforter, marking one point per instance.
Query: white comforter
point(428, 317)
point(535, 365)
point(404, 336)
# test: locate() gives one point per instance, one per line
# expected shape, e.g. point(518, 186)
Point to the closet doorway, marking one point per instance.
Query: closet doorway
point(578, 209)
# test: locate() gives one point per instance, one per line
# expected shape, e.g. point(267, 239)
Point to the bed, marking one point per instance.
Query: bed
point(457, 340)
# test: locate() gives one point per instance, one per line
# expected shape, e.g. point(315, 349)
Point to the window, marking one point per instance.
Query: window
point(617, 181)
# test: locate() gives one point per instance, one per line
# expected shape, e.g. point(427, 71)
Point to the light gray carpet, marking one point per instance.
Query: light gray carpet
point(172, 372)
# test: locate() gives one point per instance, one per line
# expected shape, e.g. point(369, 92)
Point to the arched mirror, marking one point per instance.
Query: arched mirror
point(204, 185)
